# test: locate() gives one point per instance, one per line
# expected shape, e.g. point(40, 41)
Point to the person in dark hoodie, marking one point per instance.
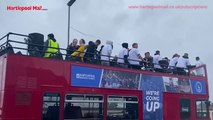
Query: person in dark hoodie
point(52, 46)
point(91, 51)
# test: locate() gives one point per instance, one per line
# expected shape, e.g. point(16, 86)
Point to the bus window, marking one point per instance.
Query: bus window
point(185, 110)
point(83, 106)
point(51, 106)
point(122, 108)
point(202, 109)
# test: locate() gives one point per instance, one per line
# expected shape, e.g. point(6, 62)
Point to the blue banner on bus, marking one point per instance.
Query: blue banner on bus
point(198, 87)
point(153, 89)
point(102, 78)
point(153, 105)
point(85, 76)
point(151, 82)
point(105, 78)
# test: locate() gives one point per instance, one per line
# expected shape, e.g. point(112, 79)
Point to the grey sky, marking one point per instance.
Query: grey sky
point(168, 30)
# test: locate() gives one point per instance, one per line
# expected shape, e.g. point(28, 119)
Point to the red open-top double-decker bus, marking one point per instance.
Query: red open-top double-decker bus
point(35, 88)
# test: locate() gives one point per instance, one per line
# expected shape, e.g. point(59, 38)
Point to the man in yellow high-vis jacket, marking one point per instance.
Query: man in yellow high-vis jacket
point(52, 46)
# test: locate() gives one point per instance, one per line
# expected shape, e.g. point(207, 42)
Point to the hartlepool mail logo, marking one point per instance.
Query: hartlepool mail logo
point(85, 76)
point(25, 8)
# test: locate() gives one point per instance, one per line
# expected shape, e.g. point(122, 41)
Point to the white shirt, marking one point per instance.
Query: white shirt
point(121, 55)
point(106, 52)
point(133, 55)
point(182, 62)
point(173, 62)
point(156, 60)
point(199, 71)
point(198, 63)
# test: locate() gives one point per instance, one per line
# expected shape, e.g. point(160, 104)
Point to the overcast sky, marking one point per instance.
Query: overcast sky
point(168, 30)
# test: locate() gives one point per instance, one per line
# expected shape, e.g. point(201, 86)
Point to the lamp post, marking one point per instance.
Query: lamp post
point(69, 4)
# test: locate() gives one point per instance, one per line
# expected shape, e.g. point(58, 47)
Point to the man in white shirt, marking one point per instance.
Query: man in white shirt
point(135, 57)
point(182, 64)
point(123, 55)
point(106, 53)
point(156, 59)
point(199, 71)
point(173, 62)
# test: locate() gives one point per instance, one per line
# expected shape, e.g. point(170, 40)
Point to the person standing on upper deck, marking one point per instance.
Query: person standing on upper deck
point(51, 46)
point(135, 57)
point(182, 64)
point(148, 61)
point(156, 59)
point(91, 51)
point(72, 48)
point(173, 62)
point(78, 55)
point(106, 52)
point(199, 71)
point(123, 56)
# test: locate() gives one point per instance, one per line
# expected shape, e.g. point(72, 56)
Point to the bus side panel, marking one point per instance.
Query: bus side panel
point(22, 97)
point(171, 107)
point(22, 105)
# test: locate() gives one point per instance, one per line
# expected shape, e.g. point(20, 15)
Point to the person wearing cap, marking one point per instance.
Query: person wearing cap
point(52, 46)
point(123, 56)
point(182, 64)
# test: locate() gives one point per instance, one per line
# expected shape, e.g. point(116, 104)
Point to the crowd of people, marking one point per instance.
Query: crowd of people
point(126, 58)
point(117, 79)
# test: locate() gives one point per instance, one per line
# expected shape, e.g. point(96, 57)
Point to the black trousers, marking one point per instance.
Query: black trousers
point(181, 71)
point(138, 67)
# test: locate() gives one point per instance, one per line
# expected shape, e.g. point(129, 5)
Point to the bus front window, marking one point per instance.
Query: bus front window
point(202, 108)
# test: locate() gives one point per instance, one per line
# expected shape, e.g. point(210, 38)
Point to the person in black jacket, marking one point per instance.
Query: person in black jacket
point(72, 48)
point(91, 51)
point(148, 61)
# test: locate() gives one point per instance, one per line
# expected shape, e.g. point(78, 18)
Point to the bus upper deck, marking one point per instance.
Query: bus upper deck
point(35, 88)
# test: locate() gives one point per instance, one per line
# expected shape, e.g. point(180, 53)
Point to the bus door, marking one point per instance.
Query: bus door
point(185, 109)
point(176, 108)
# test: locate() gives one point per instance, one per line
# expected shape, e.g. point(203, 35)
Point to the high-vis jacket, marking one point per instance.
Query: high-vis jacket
point(52, 48)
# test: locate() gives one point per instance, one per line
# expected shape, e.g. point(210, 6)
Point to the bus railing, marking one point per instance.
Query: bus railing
point(21, 47)
point(198, 71)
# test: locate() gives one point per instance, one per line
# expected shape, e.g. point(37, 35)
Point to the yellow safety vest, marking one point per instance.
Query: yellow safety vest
point(52, 48)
